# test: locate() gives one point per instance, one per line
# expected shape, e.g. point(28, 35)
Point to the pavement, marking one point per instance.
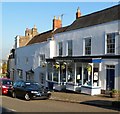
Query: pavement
point(97, 100)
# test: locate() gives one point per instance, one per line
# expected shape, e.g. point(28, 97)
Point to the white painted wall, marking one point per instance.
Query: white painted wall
point(11, 67)
point(98, 34)
point(33, 53)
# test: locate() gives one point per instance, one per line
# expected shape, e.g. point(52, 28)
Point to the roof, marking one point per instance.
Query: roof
point(41, 37)
point(45, 35)
point(103, 16)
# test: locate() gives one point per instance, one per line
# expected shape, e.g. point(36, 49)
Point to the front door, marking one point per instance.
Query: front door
point(110, 77)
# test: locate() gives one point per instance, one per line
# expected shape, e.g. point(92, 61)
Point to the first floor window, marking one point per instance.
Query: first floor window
point(26, 60)
point(87, 46)
point(110, 41)
point(70, 47)
point(42, 60)
point(60, 48)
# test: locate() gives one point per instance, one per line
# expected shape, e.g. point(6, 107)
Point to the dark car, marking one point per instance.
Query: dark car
point(5, 86)
point(30, 90)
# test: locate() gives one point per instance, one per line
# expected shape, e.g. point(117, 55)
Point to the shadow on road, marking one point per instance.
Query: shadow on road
point(102, 103)
point(5, 111)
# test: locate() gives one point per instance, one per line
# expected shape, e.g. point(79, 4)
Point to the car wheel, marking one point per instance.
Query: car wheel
point(13, 94)
point(27, 97)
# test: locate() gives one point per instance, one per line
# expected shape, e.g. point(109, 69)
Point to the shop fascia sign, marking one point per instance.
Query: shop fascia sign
point(64, 60)
point(97, 60)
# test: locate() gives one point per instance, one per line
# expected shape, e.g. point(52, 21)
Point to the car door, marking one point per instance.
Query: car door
point(22, 89)
point(17, 88)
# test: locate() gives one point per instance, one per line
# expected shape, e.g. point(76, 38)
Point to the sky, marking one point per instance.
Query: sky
point(17, 16)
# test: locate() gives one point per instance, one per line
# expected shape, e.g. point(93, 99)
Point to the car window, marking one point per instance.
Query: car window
point(6, 82)
point(33, 85)
point(17, 84)
point(22, 84)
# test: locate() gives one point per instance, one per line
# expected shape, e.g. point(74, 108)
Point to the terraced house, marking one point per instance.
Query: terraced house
point(83, 56)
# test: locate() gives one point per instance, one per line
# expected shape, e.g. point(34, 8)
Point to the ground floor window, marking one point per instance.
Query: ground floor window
point(79, 74)
point(62, 72)
point(70, 70)
point(88, 79)
point(55, 74)
point(95, 76)
point(29, 76)
point(42, 78)
point(50, 71)
point(20, 73)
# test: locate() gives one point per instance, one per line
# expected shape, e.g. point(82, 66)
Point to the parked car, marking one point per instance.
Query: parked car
point(29, 90)
point(6, 86)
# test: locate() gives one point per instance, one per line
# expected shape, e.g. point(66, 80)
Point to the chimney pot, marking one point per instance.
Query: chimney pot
point(54, 17)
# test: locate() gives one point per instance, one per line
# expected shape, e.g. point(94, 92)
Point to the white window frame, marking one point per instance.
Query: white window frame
point(106, 43)
point(67, 52)
point(20, 73)
point(84, 45)
point(59, 47)
point(41, 62)
point(26, 60)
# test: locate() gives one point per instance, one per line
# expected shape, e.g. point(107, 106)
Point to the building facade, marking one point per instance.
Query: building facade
point(83, 56)
point(88, 54)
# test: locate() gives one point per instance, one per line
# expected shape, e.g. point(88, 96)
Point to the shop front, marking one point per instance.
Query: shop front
point(75, 74)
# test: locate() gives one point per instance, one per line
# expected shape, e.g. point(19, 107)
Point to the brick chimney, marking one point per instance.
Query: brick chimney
point(78, 13)
point(57, 23)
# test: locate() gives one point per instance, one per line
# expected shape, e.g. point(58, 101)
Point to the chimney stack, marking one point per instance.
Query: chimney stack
point(57, 23)
point(78, 13)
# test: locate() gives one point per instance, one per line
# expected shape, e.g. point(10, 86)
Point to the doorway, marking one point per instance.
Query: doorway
point(110, 77)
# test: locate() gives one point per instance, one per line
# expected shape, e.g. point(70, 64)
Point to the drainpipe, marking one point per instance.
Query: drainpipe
point(75, 73)
point(82, 73)
point(59, 75)
point(66, 73)
point(46, 85)
point(92, 74)
point(99, 73)
point(52, 72)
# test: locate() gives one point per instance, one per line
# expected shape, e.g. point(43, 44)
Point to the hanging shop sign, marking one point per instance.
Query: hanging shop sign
point(56, 66)
point(63, 66)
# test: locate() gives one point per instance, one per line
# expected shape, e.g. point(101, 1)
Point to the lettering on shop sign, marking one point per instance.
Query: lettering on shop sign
point(64, 61)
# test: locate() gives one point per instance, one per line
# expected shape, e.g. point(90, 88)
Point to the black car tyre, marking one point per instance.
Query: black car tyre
point(13, 94)
point(27, 97)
